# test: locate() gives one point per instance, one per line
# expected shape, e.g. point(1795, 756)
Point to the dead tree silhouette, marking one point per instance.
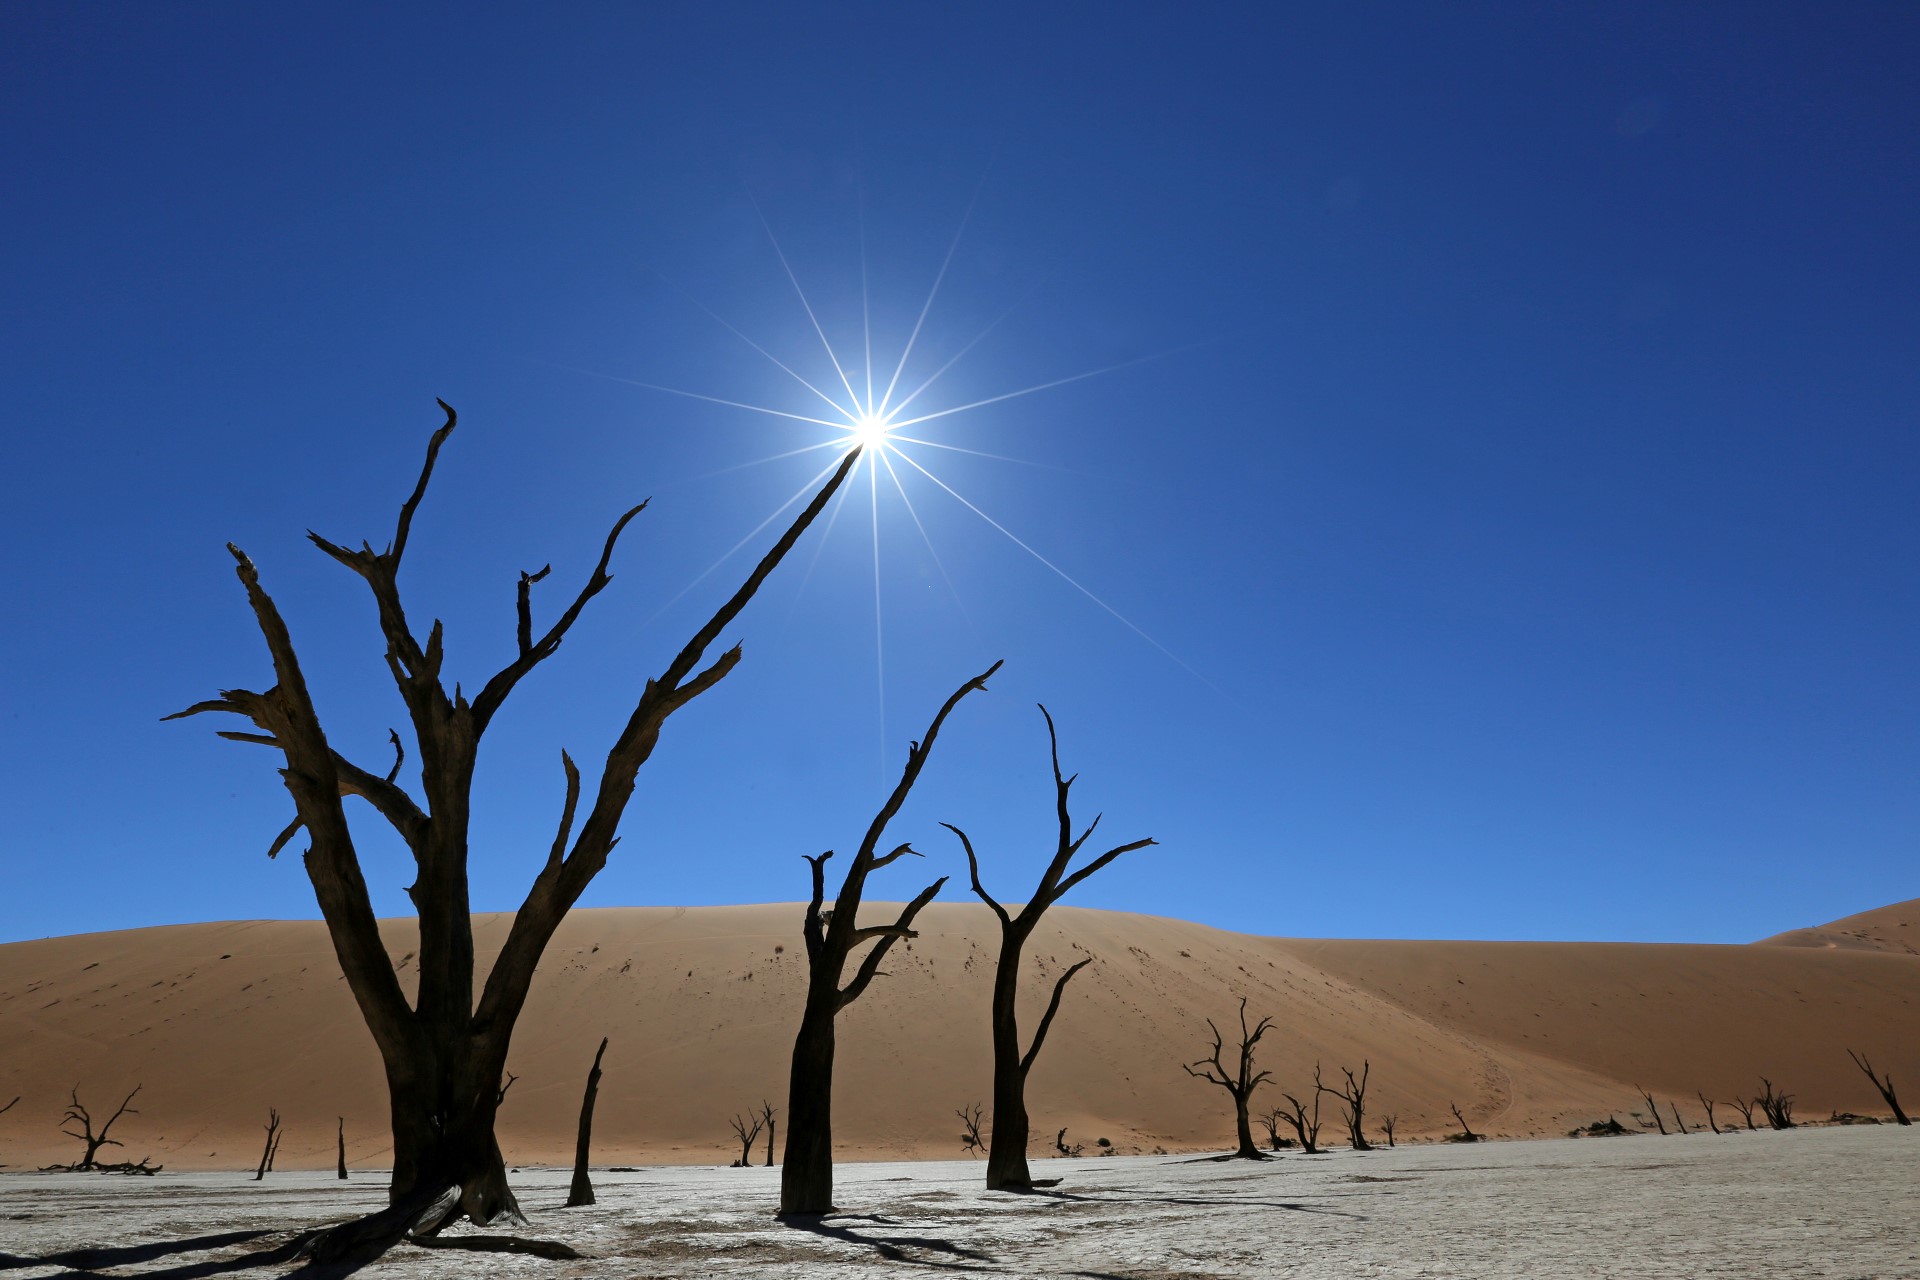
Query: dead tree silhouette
point(1466, 1133)
point(1241, 1083)
point(1776, 1107)
point(444, 1053)
point(580, 1190)
point(1708, 1104)
point(1745, 1107)
point(1678, 1123)
point(77, 1114)
point(1007, 1144)
point(9, 1106)
point(1653, 1109)
point(1270, 1121)
point(766, 1115)
point(746, 1130)
point(1353, 1096)
point(1386, 1127)
point(272, 1147)
point(806, 1168)
point(1884, 1083)
point(970, 1131)
point(340, 1136)
point(1305, 1123)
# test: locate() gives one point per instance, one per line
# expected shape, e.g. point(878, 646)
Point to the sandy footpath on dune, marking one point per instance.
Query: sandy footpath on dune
point(1808, 1203)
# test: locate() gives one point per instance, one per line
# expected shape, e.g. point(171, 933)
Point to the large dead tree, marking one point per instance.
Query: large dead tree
point(832, 934)
point(1007, 1144)
point(1239, 1083)
point(580, 1190)
point(445, 1053)
point(1883, 1083)
point(77, 1114)
point(1353, 1097)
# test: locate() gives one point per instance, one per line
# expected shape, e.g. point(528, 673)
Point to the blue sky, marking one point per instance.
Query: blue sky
point(1512, 460)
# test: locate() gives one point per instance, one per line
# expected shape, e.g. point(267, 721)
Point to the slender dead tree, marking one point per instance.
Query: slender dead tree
point(1884, 1083)
point(1305, 1123)
point(1353, 1096)
point(806, 1168)
point(1776, 1107)
point(1653, 1109)
point(77, 1114)
point(1270, 1121)
point(1678, 1123)
point(1007, 1145)
point(580, 1191)
point(970, 1129)
point(1708, 1104)
point(746, 1129)
point(1386, 1127)
point(1466, 1130)
point(1241, 1083)
point(445, 1053)
point(340, 1165)
point(272, 1147)
point(766, 1114)
point(1745, 1107)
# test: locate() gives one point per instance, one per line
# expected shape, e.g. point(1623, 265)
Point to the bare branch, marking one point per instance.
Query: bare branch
point(524, 605)
point(1046, 1019)
point(566, 811)
point(973, 871)
point(870, 966)
point(405, 523)
point(897, 854)
point(287, 833)
point(399, 754)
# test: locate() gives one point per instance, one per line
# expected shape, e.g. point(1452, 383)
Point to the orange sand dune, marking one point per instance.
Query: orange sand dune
point(219, 1022)
point(1893, 928)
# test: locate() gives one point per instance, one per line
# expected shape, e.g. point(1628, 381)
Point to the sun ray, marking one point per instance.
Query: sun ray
point(894, 436)
point(779, 511)
point(802, 295)
point(937, 561)
point(879, 639)
point(772, 457)
point(695, 395)
point(726, 324)
point(1045, 386)
point(866, 306)
point(1062, 573)
point(963, 351)
point(819, 546)
point(931, 293)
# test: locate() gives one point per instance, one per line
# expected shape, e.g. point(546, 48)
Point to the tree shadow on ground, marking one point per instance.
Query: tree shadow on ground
point(891, 1248)
point(1202, 1202)
point(91, 1261)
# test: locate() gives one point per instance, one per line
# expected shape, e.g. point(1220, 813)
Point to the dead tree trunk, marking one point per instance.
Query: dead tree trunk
point(806, 1169)
point(1708, 1104)
point(1353, 1096)
point(340, 1166)
point(746, 1129)
point(1653, 1109)
point(1386, 1127)
point(1270, 1121)
point(444, 1053)
point(1745, 1107)
point(273, 1145)
point(1241, 1083)
point(1678, 1123)
point(1306, 1124)
point(78, 1114)
point(1883, 1083)
point(1776, 1107)
point(766, 1114)
point(1007, 1144)
point(580, 1192)
point(970, 1129)
point(1466, 1130)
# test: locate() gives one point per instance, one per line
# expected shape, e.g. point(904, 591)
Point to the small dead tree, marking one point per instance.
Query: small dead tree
point(580, 1191)
point(746, 1129)
point(806, 1170)
point(1653, 1109)
point(1270, 1121)
point(445, 1050)
point(273, 1145)
point(1386, 1127)
point(1007, 1149)
point(766, 1115)
point(1466, 1133)
point(1708, 1104)
point(1678, 1123)
point(1061, 1145)
point(77, 1114)
point(1745, 1107)
point(970, 1129)
point(340, 1165)
point(1240, 1082)
point(1884, 1083)
point(1776, 1107)
point(1305, 1123)
point(1353, 1097)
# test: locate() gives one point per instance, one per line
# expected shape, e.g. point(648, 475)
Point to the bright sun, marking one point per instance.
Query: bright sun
point(869, 430)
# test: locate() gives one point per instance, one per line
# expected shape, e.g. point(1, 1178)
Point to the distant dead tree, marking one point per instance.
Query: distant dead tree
point(1653, 1109)
point(1678, 1123)
point(1745, 1107)
point(1386, 1127)
point(1240, 1082)
point(1884, 1083)
point(580, 1190)
point(1007, 1149)
point(806, 1170)
point(77, 1114)
point(1708, 1104)
point(1305, 1124)
point(444, 1052)
point(340, 1166)
point(766, 1116)
point(1061, 1145)
point(1776, 1107)
point(1466, 1130)
point(746, 1128)
point(273, 1145)
point(970, 1129)
point(1353, 1097)
point(1270, 1121)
